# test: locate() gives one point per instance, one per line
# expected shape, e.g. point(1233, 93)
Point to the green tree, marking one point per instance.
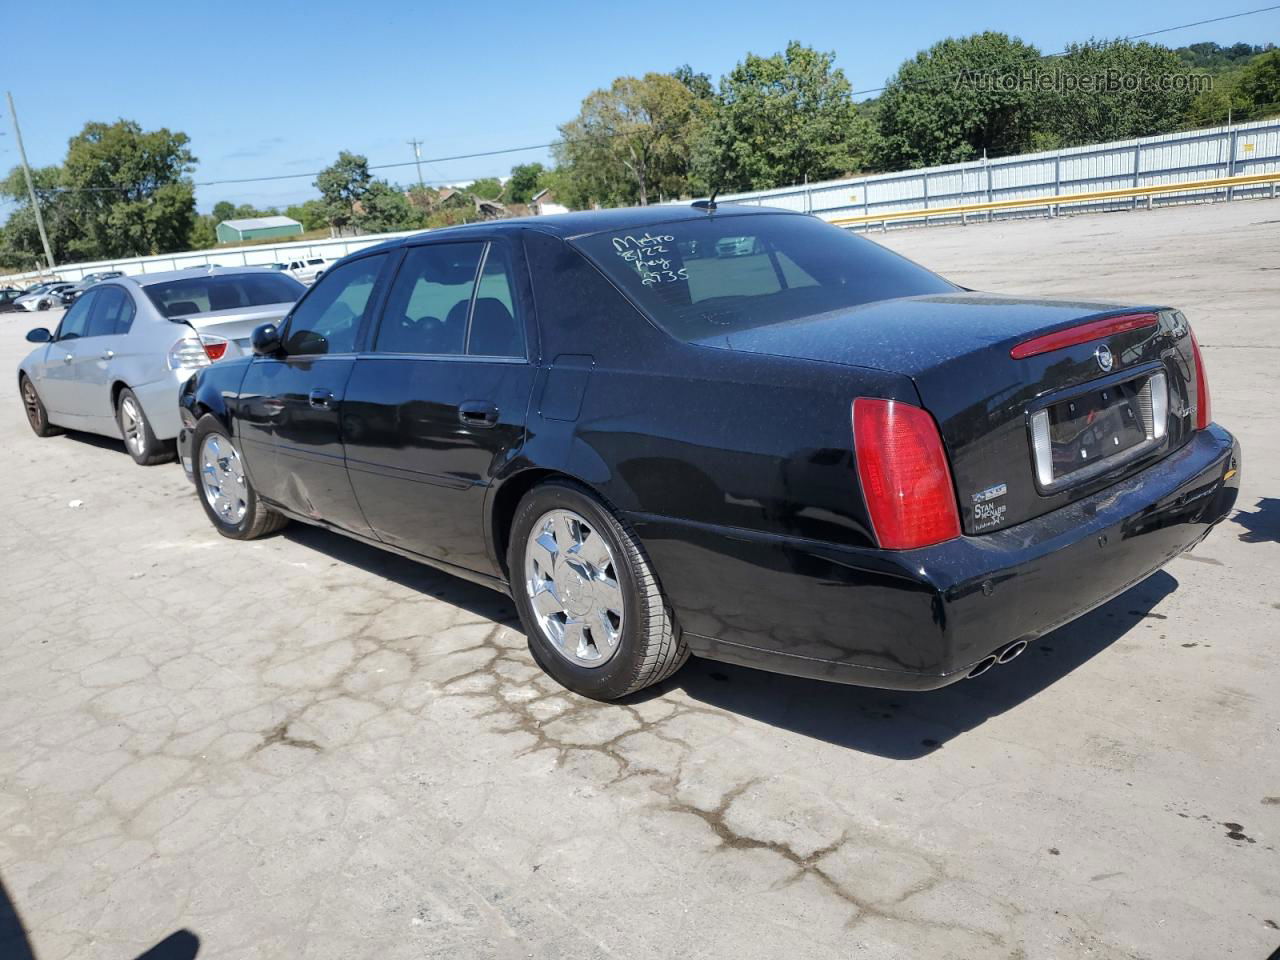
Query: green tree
point(1259, 85)
point(121, 191)
point(779, 119)
point(525, 181)
point(384, 208)
point(204, 232)
point(486, 188)
point(311, 214)
point(20, 246)
point(342, 185)
point(958, 99)
point(629, 143)
point(1115, 91)
point(223, 210)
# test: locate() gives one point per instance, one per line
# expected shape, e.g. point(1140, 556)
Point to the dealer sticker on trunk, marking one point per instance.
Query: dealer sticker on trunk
point(986, 512)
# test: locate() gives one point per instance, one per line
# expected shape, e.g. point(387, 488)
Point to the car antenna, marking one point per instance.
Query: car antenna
point(707, 205)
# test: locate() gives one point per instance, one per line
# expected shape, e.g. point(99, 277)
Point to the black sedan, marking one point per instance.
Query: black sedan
point(738, 433)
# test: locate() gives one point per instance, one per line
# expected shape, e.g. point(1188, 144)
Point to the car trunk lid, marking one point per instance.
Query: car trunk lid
point(958, 350)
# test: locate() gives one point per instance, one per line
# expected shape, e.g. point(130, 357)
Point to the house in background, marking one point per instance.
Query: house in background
point(257, 228)
point(544, 202)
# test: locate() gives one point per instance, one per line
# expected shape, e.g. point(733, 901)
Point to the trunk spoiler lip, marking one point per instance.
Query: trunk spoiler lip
point(247, 312)
point(1094, 328)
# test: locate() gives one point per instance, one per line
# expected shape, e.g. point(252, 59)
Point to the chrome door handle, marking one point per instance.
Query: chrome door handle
point(320, 399)
point(108, 355)
point(68, 358)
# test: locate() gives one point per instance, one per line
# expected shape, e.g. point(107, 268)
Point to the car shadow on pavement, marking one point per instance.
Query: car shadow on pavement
point(16, 944)
point(1263, 524)
point(905, 725)
point(408, 573)
point(889, 723)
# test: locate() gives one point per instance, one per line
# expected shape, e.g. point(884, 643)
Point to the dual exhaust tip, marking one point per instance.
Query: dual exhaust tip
point(1003, 655)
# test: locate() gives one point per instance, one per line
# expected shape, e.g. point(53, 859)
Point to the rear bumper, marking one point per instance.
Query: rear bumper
point(920, 619)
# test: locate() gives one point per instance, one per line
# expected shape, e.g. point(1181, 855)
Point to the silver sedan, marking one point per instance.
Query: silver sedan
point(123, 349)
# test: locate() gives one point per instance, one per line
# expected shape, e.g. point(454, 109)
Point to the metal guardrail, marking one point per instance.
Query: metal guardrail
point(1052, 203)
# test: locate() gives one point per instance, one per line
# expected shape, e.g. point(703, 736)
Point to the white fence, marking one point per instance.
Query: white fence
point(1248, 148)
point(330, 249)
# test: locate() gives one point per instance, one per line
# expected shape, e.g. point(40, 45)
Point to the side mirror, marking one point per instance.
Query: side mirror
point(266, 340)
point(39, 335)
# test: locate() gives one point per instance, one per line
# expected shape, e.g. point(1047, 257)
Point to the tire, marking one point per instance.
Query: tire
point(37, 415)
point(241, 515)
point(572, 632)
point(135, 429)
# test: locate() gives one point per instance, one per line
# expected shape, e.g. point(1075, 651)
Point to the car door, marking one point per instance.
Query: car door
point(99, 352)
point(55, 375)
point(437, 402)
point(291, 404)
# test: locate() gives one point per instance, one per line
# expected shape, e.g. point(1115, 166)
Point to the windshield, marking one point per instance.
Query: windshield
point(707, 279)
point(223, 291)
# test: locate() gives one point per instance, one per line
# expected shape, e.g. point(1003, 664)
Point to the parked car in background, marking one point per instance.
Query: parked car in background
point(739, 433)
point(114, 364)
point(305, 270)
point(7, 297)
point(41, 297)
point(68, 296)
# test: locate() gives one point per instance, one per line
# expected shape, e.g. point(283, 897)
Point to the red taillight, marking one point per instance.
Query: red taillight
point(1204, 407)
point(904, 474)
point(1094, 330)
point(214, 347)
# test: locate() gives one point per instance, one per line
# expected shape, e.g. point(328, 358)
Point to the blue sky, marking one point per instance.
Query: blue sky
point(277, 87)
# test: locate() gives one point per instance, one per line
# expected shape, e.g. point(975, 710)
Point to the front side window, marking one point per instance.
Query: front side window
point(704, 280)
point(328, 319)
point(112, 312)
point(222, 291)
point(76, 320)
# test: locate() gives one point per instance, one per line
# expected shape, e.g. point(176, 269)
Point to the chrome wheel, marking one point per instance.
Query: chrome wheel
point(222, 479)
point(131, 425)
point(35, 416)
point(572, 582)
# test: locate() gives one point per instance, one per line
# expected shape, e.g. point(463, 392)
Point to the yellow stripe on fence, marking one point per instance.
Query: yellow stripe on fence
point(1062, 199)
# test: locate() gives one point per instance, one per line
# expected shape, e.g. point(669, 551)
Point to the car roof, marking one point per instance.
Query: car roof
point(147, 279)
point(583, 223)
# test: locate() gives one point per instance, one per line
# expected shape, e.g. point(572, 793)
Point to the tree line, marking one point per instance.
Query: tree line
point(770, 121)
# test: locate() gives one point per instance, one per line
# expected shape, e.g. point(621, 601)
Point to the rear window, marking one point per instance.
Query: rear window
point(707, 279)
point(223, 291)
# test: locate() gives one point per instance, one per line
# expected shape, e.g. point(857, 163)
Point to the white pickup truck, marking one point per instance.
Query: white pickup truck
point(306, 270)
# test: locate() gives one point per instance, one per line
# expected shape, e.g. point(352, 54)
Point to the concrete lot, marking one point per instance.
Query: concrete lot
point(302, 747)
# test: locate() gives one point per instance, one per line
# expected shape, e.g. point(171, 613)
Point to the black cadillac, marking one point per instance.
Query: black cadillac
point(739, 433)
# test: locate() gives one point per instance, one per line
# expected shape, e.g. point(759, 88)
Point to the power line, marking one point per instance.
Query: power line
point(1135, 36)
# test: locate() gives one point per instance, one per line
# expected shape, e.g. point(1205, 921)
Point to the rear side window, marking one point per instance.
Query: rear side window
point(328, 319)
point(112, 313)
point(223, 291)
point(450, 299)
point(704, 280)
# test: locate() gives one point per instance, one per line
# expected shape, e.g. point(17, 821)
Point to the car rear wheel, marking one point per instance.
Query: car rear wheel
point(592, 608)
point(37, 416)
point(225, 491)
point(135, 430)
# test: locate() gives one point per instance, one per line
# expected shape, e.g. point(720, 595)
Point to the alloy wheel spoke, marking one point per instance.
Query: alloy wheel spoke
point(546, 602)
point(595, 551)
point(574, 639)
point(603, 631)
point(608, 595)
point(566, 535)
point(543, 552)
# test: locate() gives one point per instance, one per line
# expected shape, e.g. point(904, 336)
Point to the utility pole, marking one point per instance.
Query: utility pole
point(31, 188)
point(417, 159)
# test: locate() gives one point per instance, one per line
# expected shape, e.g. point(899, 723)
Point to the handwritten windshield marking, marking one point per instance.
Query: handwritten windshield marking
point(648, 254)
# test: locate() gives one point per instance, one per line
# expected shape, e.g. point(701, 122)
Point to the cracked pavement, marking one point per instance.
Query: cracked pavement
point(303, 747)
